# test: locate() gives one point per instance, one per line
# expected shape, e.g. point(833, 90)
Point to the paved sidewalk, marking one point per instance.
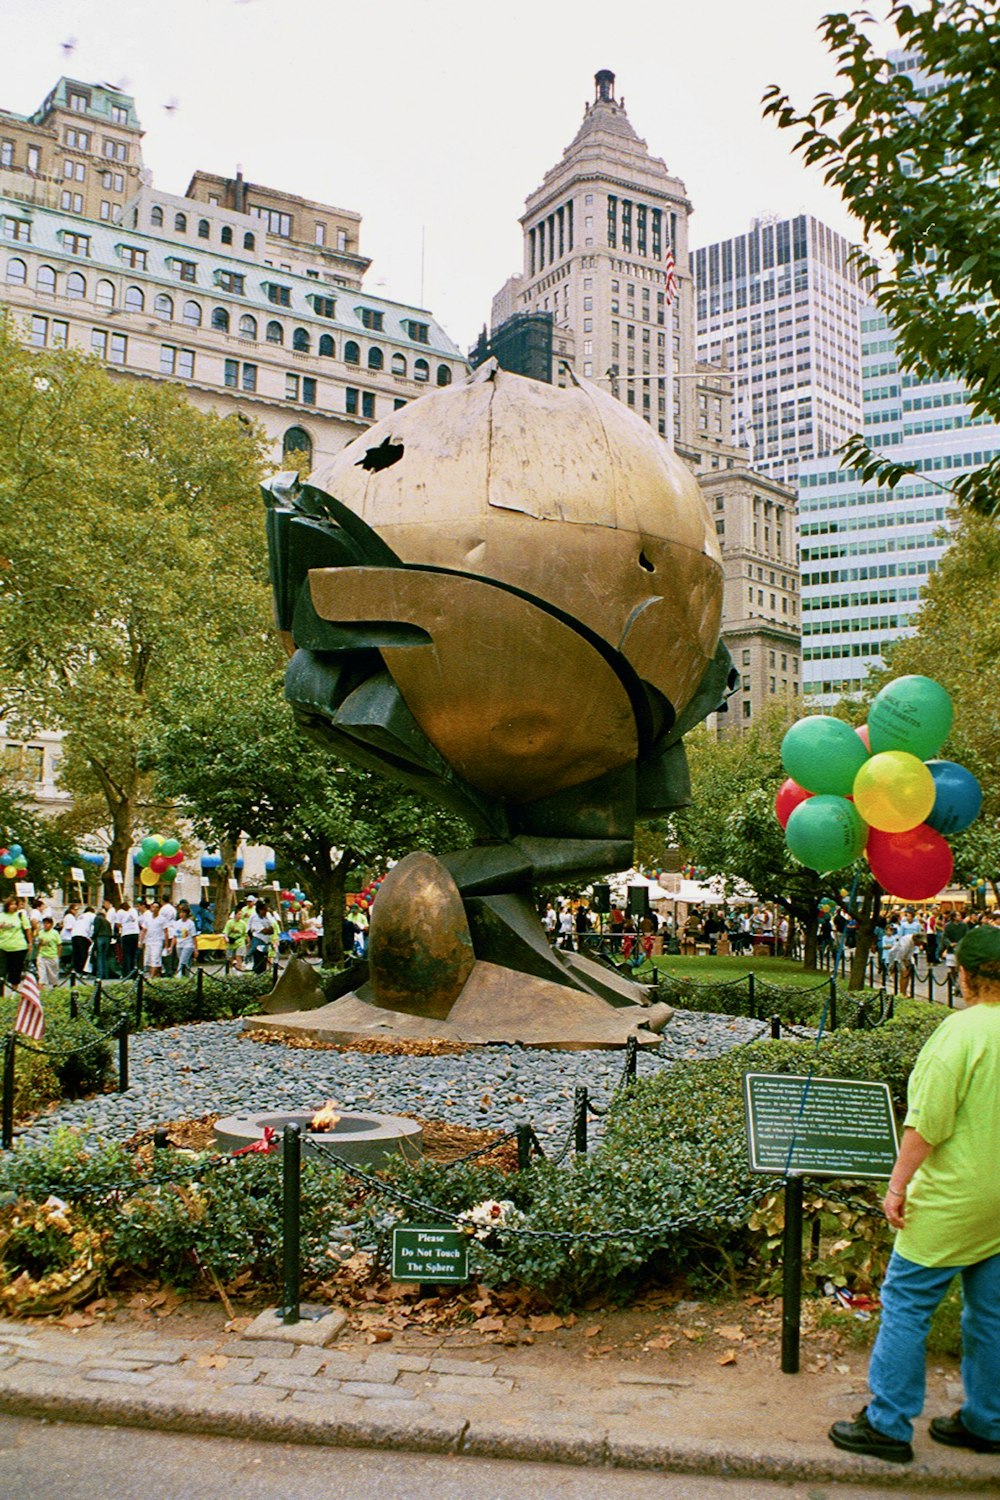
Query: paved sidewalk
point(516, 1403)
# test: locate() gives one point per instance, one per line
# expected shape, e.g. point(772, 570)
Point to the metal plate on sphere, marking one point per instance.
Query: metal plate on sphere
point(517, 702)
point(419, 944)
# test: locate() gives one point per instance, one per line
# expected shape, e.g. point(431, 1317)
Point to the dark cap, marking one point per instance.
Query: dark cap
point(978, 948)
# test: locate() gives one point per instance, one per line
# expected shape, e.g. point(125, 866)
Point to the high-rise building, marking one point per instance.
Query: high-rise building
point(782, 305)
point(600, 234)
point(249, 297)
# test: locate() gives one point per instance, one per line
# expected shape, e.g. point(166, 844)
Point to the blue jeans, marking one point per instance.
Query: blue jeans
point(896, 1375)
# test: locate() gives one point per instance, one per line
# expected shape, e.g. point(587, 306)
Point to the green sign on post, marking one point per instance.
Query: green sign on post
point(429, 1252)
point(819, 1127)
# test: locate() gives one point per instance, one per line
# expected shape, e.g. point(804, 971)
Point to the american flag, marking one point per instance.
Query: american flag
point(30, 1018)
point(670, 267)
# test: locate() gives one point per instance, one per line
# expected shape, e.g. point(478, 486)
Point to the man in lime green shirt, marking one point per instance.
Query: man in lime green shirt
point(944, 1200)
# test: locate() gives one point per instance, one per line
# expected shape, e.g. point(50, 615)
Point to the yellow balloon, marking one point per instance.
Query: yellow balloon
point(894, 791)
point(149, 877)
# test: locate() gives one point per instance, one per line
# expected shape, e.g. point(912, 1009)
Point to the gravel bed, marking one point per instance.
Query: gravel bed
point(208, 1067)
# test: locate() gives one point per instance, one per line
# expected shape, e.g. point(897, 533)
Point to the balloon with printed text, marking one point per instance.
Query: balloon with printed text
point(911, 713)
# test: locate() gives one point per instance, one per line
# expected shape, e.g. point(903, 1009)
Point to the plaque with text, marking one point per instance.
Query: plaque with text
point(819, 1127)
point(429, 1252)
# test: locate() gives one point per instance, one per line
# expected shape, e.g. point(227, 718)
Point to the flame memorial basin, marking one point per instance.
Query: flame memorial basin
point(362, 1139)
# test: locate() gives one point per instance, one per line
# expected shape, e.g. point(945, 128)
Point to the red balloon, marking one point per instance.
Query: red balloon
point(159, 863)
point(863, 736)
point(174, 859)
point(789, 796)
point(914, 865)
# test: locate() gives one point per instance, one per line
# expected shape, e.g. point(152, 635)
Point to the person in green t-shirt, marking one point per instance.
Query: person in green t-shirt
point(943, 1199)
point(14, 928)
point(47, 950)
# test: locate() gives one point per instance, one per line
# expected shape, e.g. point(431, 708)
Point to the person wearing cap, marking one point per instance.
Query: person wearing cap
point(943, 1200)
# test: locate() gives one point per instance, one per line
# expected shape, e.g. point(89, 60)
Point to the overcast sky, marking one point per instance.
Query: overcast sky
point(435, 118)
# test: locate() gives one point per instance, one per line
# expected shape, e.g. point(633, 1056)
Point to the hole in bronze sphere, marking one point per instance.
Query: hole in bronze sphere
point(383, 457)
point(644, 562)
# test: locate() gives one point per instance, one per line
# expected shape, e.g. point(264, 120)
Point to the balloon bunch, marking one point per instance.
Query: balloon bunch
point(878, 790)
point(693, 872)
point(366, 896)
point(13, 862)
point(158, 859)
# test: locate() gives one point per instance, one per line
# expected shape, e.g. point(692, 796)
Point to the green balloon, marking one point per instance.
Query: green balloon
point(823, 754)
point(142, 860)
point(169, 875)
point(826, 833)
point(913, 714)
point(150, 846)
point(169, 846)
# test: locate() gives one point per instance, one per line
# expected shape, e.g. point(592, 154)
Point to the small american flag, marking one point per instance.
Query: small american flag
point(30, 1018)
point(670, 267)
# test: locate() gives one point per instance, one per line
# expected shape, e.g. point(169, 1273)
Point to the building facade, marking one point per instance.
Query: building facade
point(782, 305)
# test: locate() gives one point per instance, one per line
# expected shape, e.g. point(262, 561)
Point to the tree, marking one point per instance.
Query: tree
point(920, 170)
point(131, 553)
point(238, 764)
point(48, 850)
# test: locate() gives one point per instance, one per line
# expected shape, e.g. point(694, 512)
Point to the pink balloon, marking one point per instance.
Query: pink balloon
point(863, 736)
point(914, 865)
point(789, 796)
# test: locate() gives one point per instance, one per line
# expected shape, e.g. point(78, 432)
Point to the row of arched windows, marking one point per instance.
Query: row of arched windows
point(204, 228)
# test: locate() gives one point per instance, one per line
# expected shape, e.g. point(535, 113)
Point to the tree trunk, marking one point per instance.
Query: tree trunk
point(809, 922)
point(120, 808)
point(331, 895)
point(868, 916)
point(227, 872)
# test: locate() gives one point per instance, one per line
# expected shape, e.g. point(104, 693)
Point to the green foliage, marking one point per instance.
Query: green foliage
point(47, 849)
point(172, 1002)
point(920, 170)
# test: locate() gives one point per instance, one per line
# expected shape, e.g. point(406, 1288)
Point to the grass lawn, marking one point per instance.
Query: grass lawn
point(786, 971)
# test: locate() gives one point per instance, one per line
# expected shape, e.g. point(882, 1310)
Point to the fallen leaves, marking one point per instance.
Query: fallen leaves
point(729, 1358)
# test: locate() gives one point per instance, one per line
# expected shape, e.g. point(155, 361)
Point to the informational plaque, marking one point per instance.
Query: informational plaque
point(116, 876)
point(76, 875)
point(233, 885)
point(24, 888)
point(819, 1127)
point(430, 1252)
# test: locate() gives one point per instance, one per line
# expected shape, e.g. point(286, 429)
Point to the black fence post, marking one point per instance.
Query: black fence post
point(861, 1016)
point(930, 984)
point(73, 1007)
point(895, 979)
point(775, 1028)
point(161, 1138)
point(523, 1133)
point(95, 1003)
point(7, 1129)
point(199, 988)
point(752, 996)
point(140, 985)
point(791, 1278)
point(580, 1120)
point(123, 1054)
point(951, 989)
point(274, 972)
point(631, 1058)
point(291, 1192)
point(833, 1003)
point(888, 1004)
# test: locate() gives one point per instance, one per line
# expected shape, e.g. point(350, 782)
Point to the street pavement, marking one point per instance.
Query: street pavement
point(482, 1401)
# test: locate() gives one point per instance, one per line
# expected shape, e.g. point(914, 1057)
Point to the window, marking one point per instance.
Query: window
point(45, 281)
point(71, 203)
point(156, 217)
point(104, 294)
point(420, 333)
point(23, 762)
point(249, 381)
point(76, 285)
point(133, 257)
point(248, 326)
point(176, 362)
point(326, 346)
point(35, 159)
point(76, 244)
point(163, 306)
point(74, 170)
point(297, 440)
point(370, 318)
point(275, 221)
point(115, 150)
point(79, 102)
point(249, 241)
point(232, 373)
point(180, 223)
point(399, 364)
point(309, 390)
point(352, 354)
point(368, 405)
point(341, 239)
point(291, 387)
point(113, 181)
point(398, 402)
point(226, 235)
point(39, 331)
point(275, 333)
point(117, 349)
point(203, 229)
point(351, 401)
point(230, 281)
point(220, 319)
point(6, 153)
point(300, 341)
point(376, 359)
point(186, 270)
point(134, 299)
point(192, 314)
point(324, 307)
point(443, 375)
point(319, 234)
point(119, 115)
point(281, 296)
point(421, 370)
point(17, 272)
point(17, 229)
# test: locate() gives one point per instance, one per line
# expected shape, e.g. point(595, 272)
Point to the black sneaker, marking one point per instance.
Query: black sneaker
point(953, 1431)
point(859, 1436)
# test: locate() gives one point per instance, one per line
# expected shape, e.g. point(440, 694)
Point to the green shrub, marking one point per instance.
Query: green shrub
point(172, 1002)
